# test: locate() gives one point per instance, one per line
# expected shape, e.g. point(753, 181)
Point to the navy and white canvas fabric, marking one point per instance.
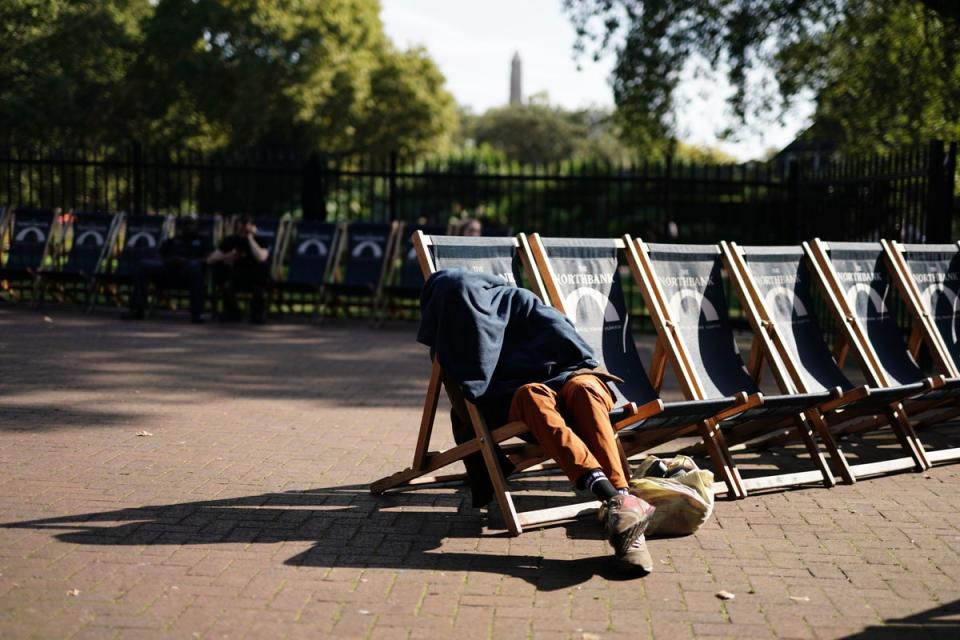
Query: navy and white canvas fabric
point(91, 231)
point(28, 238)
point(587, 275)
point(142, 239)
point(867, 288)
point(494, 256)
point(783, 282)
point(366, 252)
point(311, 251)
point(936, 270)
point(690, 277)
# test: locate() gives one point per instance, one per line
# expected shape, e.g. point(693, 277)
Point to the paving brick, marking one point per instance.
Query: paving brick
point(246, 513)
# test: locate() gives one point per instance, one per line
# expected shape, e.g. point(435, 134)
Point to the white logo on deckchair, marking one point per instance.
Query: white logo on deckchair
point(376, 251)
point(853, 295)
point(784, 301)
point(36, 232)
point(90, 233)
point(573, 299)
point(319, 248)
point(705, 307)
point(145, 236)
point(930, 297)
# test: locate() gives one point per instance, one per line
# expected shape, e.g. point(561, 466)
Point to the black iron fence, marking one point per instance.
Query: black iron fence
point(907, 195)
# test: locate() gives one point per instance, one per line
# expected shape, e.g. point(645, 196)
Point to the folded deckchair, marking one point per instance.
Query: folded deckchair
point(856, 286)
point(499, 257)
point(582, 279)
point(30, 234)
point(311, 246)
point(773, 284)
point(92, 237)
point(683, 289)
point(360, 263)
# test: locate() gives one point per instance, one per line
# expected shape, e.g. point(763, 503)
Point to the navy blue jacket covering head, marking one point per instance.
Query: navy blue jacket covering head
point(492, 337)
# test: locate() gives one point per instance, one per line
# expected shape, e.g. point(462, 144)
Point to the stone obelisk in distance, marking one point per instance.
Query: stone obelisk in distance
point(516, 92)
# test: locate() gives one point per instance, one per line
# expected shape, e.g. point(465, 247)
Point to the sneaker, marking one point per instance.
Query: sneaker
point(625, 518)
point(637, 557)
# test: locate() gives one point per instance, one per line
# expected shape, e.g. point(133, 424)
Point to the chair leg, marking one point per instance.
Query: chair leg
point(836, 453)
point(908, 437)
point(720, 456)
point(806, 435)
point(504, 499)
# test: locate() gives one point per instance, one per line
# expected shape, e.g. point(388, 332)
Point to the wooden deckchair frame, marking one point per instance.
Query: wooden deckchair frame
point(704, 427)
point(109, 244)
point(282, 258)
point(485, 440)
point(923, 324)
point(343, 236)
point(674, 347)
point(854, 336)
point(789, 378)
point(9, 221)
point(924, 330)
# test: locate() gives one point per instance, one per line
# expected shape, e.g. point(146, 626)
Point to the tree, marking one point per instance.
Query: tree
point(301, 75)
point(63, 65)
point(539, 133)
point(801, 41)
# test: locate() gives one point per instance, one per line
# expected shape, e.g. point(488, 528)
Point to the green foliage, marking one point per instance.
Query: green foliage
point(303, 75)
point(885, 70)
point(887, 77)
point(539, 133)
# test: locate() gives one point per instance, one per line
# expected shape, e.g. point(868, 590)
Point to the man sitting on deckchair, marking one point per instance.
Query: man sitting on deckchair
point(520, 360)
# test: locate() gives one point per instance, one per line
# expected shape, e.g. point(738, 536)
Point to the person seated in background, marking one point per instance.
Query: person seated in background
point(521, 360)
point(241, 263)
point(471, 227)
point(180, 263)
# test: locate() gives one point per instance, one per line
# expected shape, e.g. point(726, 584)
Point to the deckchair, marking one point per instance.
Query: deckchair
point(93, 235)
point(140, 237)
point(856, 286)
point(582, 279)
point(500, 257)
point(360, 263)
point(773, 284)
point(403, 279)
point(30, 234)
point(311, 246)
point(928, 278)
point(682, 287)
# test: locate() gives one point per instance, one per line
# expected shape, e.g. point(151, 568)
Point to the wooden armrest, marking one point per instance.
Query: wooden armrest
point(744, 402)
point(858, 393)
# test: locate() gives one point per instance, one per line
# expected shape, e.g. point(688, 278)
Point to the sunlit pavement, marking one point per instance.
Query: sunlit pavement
point(159, 479)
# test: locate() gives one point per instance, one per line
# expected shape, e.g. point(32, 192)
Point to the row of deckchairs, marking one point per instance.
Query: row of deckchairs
point(724, 407)
point(371, 265)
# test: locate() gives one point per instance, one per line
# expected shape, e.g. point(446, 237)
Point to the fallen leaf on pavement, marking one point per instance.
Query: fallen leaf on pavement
point(144, 433)
point(800, 598)
point(73, 592)
point(725, 595)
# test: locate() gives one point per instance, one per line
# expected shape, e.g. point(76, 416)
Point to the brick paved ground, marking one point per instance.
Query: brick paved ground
point(245, 513)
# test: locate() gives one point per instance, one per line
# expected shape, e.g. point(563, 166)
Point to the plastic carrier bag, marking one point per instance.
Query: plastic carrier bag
point(679, 490)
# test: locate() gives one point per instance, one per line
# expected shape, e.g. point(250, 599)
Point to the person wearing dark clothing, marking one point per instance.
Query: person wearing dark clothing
point(180, 263)
point(241, 263)
point(519, 360)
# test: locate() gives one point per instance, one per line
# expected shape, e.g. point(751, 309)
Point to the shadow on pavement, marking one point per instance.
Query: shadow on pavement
point(349, 526)
point(932, 624)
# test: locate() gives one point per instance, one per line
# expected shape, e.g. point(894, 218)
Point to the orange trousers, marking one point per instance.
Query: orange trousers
point(573, 426)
